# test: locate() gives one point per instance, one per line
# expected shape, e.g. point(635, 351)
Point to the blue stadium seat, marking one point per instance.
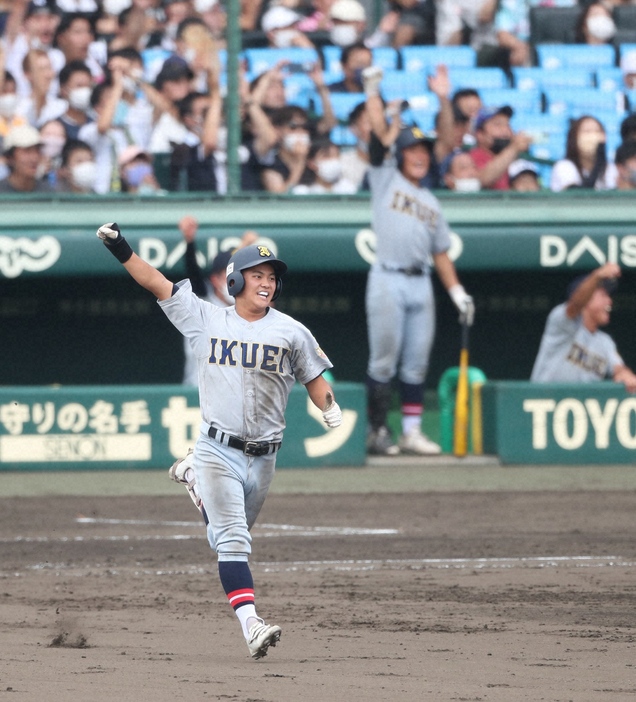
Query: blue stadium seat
point(568, 101)
point(536, 77)
point(426, 58)
point(477, 78)
point(343, 136)
point(554, 56)
point(343, 103)
point(153, 60)
point(548, 133)
point(610, 78)
point(398, 85)
point(425, 119)
point(262, 59)
point(625, 49)
point(520, 100)
point(299, 90)
point(331, 58)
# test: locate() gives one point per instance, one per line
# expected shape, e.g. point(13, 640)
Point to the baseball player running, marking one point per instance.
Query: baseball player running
point(249, 356)
point(410, 229)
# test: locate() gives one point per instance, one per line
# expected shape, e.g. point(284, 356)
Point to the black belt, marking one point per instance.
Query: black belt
point(405, 271)
point(249, 448)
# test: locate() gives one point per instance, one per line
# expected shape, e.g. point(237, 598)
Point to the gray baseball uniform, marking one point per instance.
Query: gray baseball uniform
point(409, 227)
point(570, 353)
point(246, 371)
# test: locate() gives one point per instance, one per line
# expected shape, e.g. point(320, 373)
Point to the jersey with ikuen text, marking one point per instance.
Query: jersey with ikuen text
point(407, 220)
point(246, 368)
point(571, 353)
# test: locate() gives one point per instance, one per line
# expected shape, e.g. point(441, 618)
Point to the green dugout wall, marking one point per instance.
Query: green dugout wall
point(70, 315)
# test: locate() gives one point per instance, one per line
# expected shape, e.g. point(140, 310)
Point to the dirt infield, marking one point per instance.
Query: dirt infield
point(424, 594)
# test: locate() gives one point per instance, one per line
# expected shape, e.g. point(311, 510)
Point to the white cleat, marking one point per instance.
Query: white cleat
point(262, 636)
point(418, 444)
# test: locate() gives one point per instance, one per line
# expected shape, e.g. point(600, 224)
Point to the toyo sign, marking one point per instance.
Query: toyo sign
point(559, 424)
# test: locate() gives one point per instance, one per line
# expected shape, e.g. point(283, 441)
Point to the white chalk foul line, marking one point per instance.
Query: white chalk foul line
point(358, 565)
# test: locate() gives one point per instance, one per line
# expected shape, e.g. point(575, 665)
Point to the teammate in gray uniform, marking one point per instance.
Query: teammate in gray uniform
point(573, 349)
point(250, 356)
point(410, 230)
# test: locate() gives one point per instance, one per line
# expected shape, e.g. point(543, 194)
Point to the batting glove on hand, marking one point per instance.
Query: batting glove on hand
point(464, 303)
point(110, 234)
point(371, 79)
point(332, 414)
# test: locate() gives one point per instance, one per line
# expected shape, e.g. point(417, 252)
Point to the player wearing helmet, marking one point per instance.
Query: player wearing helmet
point(410, 229)
point(249, 357)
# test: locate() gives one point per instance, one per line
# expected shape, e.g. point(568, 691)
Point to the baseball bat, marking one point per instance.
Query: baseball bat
point(460, 443)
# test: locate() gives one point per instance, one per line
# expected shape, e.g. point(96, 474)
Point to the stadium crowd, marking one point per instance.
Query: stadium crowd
point(110, 96)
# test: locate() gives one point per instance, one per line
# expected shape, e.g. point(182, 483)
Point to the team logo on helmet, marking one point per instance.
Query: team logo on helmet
point(417, 133)
point(264, 251)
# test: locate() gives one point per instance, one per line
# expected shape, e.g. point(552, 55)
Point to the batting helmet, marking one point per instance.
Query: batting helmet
point(248, 257)
point(409, 136)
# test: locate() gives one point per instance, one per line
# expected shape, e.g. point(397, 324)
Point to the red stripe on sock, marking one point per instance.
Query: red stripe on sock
point(412, 409)
point(240, 596)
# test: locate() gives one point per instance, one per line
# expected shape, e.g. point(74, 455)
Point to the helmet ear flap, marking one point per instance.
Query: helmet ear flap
point(235, 283)
point(279, 289)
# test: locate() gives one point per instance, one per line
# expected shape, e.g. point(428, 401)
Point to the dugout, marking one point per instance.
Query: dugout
point(70, 315)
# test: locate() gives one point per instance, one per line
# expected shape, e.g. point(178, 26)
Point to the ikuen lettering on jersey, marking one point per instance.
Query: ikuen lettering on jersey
point(265, 357)
point(409, 205)
point(580, 356)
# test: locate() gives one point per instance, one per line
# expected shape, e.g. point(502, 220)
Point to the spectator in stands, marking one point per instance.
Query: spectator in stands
point(280, 25)
point(415, 22)
point(250, 11)
point(78, 170)
point(53, 138)
point(628, 67)
point(176, 11)
point(348, 22)
point(467, 101)
point(22, 153)
point(585, 164)
point(29, 26)
point(74, 37)
point(106, 136)
point(355, 162)
point(9, 101)
point(457, 18)
point(173, 83)
point(625, 160)
point(317, 19)
point(76, 86)
point(354, 59)
point(595, 24)
point(324, 161)
point(573, 348)
point(137, 173)
point(459, 172)
point(628, 128)
point(512, 24)
point(272, 90)
point(214, 17)
point(40, 106)
point(497, 146)
point(524, 176)
point(289, 165)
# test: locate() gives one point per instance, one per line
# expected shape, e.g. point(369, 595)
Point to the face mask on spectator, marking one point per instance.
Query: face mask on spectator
point(129, 85)
point(284, 38)
point(292, 140)
point(84, 175)
point(80, 98)
point(135, 174)
point(329, 170)
point(467, 185)
point(601, 27)
point(116, 7)
point(343, 34)
point(8, 103)
point(52, 146)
